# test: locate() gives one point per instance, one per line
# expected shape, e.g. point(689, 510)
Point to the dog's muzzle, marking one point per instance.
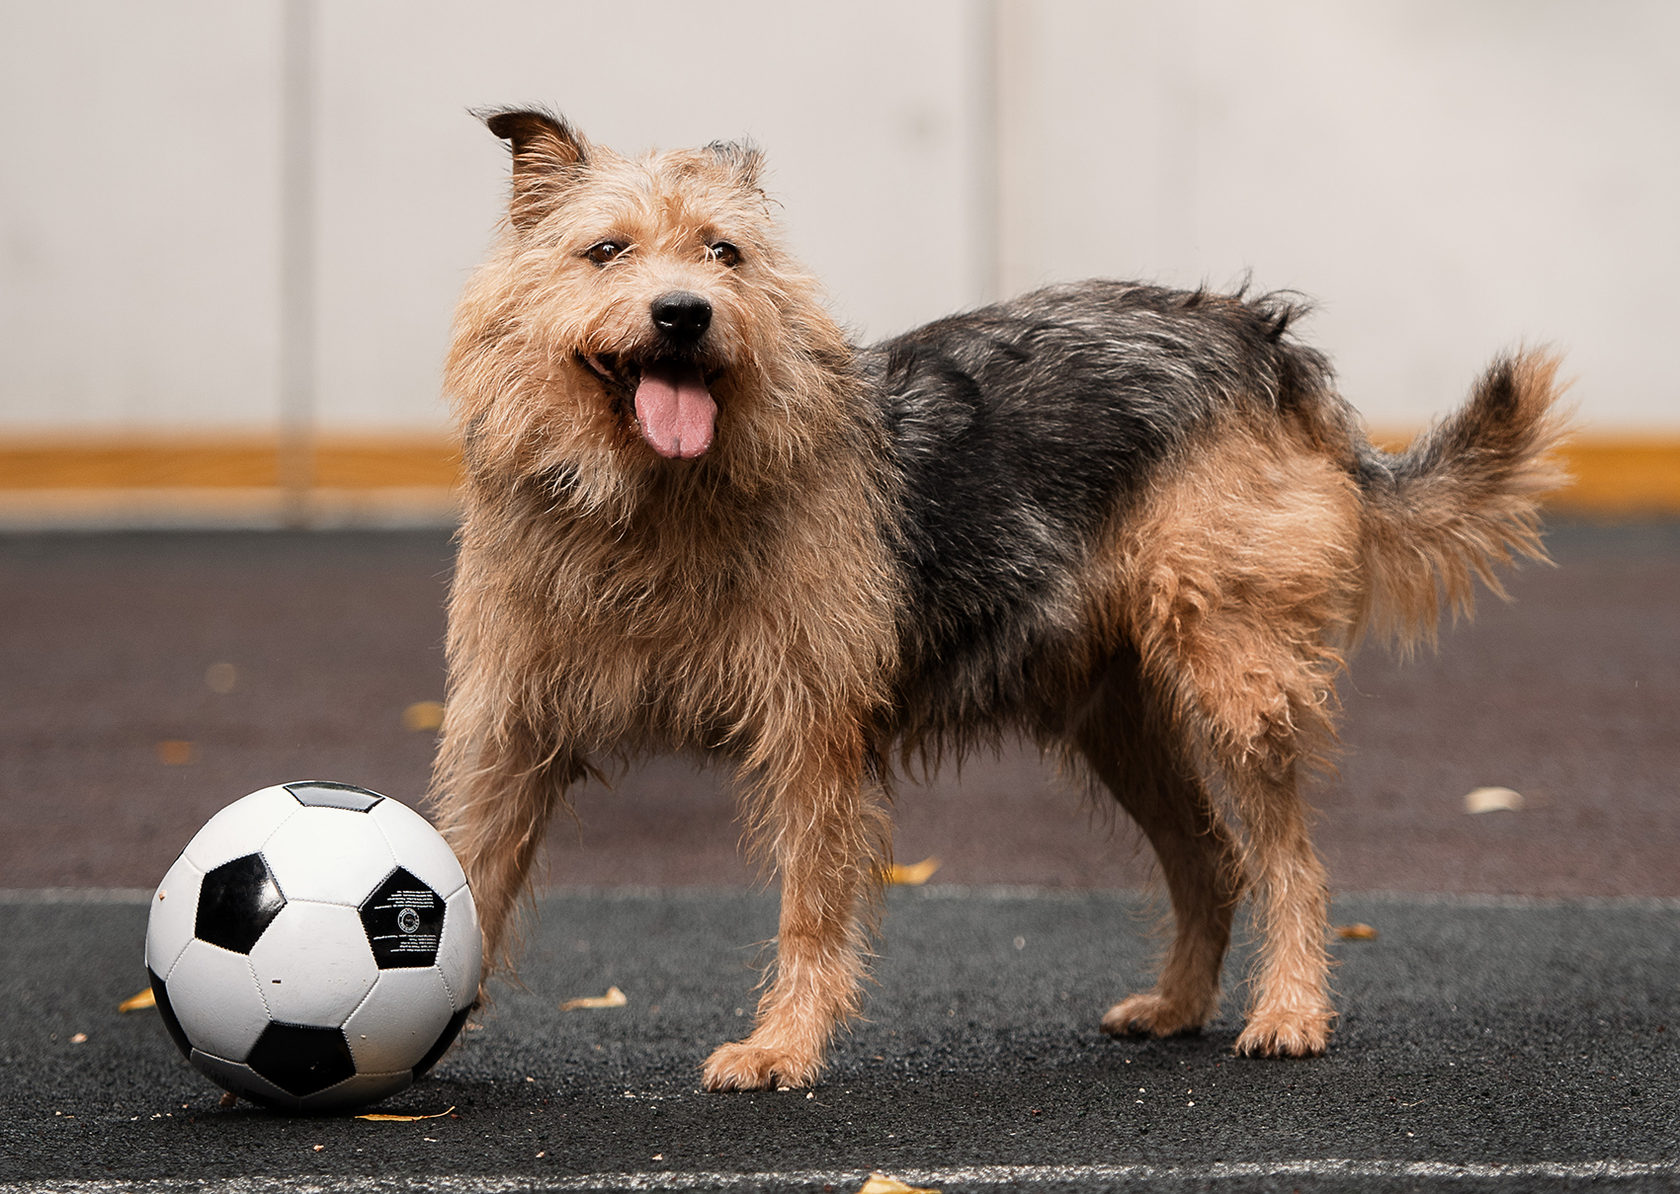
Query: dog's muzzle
point(675, 410)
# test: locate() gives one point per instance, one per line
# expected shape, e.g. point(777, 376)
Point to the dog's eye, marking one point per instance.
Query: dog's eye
point(604, 251)
point(725, 254)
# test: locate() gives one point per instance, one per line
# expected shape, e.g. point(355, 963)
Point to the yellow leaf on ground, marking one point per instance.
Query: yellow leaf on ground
point(613, 998)
point(380, 1118)
point(423, 715)
point(1493, 800)
point(174, 752)
point(880, 1183)
point(1356, 932)
point(912, 875)
point(138, 1003)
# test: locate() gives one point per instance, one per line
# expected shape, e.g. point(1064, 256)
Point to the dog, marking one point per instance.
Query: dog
point(1136, 525)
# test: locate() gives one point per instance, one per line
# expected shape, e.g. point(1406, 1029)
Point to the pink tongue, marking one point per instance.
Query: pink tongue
point(675, 410)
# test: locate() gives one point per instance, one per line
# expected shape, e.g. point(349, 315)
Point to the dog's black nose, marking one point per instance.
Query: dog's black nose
point(682, 316)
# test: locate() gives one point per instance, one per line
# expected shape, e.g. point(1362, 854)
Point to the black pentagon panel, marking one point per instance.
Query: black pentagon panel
point(301, 1060)
point(441, 1045)
point(322, 793)
point(160, 993)
point(236, 903)
point(404, 922)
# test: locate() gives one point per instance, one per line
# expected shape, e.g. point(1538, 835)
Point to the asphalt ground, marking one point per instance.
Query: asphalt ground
point(1528, 1044)
point(1512, 1026)
point(149, 679)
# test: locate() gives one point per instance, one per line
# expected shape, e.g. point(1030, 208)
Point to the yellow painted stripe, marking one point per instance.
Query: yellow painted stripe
point(1613, 475)
point(1623, 476)
point(384, 464)
point(235, 463)
point(139, 464)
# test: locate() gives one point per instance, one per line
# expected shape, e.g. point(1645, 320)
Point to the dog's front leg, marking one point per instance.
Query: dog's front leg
point(827, 834)
point(499, 775)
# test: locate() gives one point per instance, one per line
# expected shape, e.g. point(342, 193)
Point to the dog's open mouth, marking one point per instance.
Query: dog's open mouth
point(675, 411)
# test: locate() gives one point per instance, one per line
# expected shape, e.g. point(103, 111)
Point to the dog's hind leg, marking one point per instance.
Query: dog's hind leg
point(1127, 746)
point(1254, 697)
point(827, 834)
point(1240, 578)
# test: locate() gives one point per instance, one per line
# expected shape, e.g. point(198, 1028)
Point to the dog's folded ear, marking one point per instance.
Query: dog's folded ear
point(548, 154)
point(742, 158)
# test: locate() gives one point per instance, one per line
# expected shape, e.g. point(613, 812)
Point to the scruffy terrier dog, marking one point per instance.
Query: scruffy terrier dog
point(1137, 525)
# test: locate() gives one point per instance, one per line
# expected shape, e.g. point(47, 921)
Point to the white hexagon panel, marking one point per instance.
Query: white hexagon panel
point(331, 855)
point(216, 1000)
point(419, 847)
point(237, 1076)
point(397, 1025)
point(174, 911)
point(460, 956)
point(357, 1091)
point(241, 827)
point(313, 964)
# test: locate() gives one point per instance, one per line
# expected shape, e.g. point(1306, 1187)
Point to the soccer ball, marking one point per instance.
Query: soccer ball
point(314, 948)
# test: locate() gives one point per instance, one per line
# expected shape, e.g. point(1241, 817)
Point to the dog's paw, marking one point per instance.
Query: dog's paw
point(1151, 1013)
point(1286, 1034)
point(747, 1065)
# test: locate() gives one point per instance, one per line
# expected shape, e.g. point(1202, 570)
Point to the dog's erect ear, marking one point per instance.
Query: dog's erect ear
point(547, 155)
point(742, 158)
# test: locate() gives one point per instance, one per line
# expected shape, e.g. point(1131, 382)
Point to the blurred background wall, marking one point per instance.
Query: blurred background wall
point(231, 234)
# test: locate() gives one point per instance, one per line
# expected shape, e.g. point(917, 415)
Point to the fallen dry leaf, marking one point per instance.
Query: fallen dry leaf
point(380, 1118)
point(1356, 932)
point(912, 875)
point(174, 752)
point(880, 1183)
point(423, 715)
point(1493, 800)
point(138, 1003)
point(613, 998)
point(229, 1099)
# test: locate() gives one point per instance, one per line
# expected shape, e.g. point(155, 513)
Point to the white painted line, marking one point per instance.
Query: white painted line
point(1003, 893)
point(10, 896)
point(1006, 1176)
point(937, 892)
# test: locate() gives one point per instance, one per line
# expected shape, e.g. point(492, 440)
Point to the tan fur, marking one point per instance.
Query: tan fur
point(1238, 583)
point(1426, 545)
point(587, 620)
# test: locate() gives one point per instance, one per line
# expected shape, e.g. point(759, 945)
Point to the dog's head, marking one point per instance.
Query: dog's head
point(646, 302)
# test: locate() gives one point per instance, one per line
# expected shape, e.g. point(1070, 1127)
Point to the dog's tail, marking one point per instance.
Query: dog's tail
point(1463, 499)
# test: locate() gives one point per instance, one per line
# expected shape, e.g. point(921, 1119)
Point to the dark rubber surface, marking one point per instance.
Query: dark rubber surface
point(1484, 1034)
point(1571, 696)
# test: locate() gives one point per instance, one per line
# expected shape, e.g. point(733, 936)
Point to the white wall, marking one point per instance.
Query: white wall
point(138, 207)
point(1444, 177)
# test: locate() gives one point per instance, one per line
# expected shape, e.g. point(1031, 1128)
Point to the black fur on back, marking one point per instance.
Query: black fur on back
point(1017, 430)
